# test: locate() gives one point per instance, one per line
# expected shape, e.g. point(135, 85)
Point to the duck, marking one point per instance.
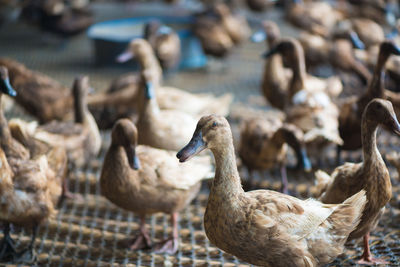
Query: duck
point(40, 95)
point(57, 18)
point(378, 11)
point(214, 39)
point(165, 43)
point(14, 148)
point(10, 145)
point(275, 78)
point(264, 227)
point(370, 175)
point(352, 109)
point(80, 138)
point(30, 191)
point(235, 25)
point(158, 128)
point(123, 94)
point(315, 17)
point(29, 187)
point(56, 155)
point(337, 51)
point(370, 32)
point(263, 145)
point(146, 180)
point(308, 104)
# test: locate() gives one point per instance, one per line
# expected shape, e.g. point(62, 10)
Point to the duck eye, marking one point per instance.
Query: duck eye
point(214, 124)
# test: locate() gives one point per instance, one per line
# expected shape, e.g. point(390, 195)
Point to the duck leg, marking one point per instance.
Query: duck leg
point(142, 241)
point(28, 255)
point(66, 193)
point(367, 258)
point(7, 249)
point(338, 155)
point(284, 188)
point(170, 245)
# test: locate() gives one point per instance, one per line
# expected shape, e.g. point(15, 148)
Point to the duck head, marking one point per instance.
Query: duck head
point(390, 47)
point(291, 51)
point(138, 48)
point(294, 137)
point(222, 10)
point(344, 29)
point(151, 28)
point(379, 111)
point(212, 132)
point(124, 133)
point(269, 30)
point(5, 86)
point(286, 46)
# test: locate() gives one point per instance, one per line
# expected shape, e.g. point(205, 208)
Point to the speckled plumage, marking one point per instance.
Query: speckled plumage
point(264, 227)
point(309, 105)
point(122, 98)
point(160, 184)
point(40, 95)
point(352, 109)
point(81, 139)
point(371, 175)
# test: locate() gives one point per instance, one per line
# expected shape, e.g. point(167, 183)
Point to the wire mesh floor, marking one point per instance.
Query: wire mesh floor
point(92, 232)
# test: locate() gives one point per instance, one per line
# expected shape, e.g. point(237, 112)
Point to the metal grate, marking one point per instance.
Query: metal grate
point(92, 232)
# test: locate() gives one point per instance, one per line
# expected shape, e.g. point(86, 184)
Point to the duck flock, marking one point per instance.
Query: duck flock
point(166, 141)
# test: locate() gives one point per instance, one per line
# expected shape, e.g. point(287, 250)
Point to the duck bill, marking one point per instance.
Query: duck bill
point(396, 126)
point(164, 30)
point(269, 53)
point(133, 159)
point(304, 162)
point(258, 36)
point(125, 56)
point(356, 40)
point(6, 88)
point(392, 34)
point(149, 86)
point(396, 49)
point(194, 147)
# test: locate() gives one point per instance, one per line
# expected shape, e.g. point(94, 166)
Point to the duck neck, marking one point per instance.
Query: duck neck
point(227, 180)
point(80, 107)
point(368, 138)
point(149, 62)
point(299, 73)
point(375, 89)
point(274, 67)
point(149, 108)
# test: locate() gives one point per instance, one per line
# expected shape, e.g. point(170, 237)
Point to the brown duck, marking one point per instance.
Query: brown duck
point(121, 100)
point(147, 180)
point(10, 146)
point(265, 227)
point(275, 78)
point(165, 43)
point(80, 138)
point(263, 145)
point(308, 105)
point(370, 175)
point(213, 37)
point(38, 94)
point(315, 17)
point(351, 111)
point(29, 188)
